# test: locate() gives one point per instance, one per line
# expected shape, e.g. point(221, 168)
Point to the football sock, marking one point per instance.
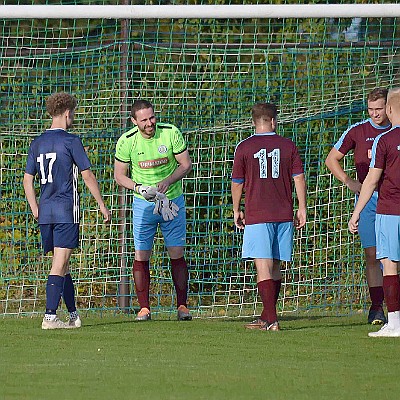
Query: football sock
point(180, 276)
point(377, 296)
point(54, 287)
point(69, 293)
point(277, 284)
point(266, 290)
point(391, 288)
point(141, 276)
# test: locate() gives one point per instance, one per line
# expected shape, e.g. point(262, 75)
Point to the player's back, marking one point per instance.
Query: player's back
point(55, 156)
point(267, 163)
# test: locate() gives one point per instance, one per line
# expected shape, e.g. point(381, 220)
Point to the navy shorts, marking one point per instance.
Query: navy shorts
point(59, 235)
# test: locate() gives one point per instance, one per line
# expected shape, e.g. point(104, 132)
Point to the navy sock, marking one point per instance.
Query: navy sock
point(69, 293)
point(54, 288)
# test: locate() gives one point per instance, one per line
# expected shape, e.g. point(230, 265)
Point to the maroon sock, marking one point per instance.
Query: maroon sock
point(377, 296)
point(266, 290)
point(277, 284)
point(180, 276)
point(141, 276)
point(391, 287)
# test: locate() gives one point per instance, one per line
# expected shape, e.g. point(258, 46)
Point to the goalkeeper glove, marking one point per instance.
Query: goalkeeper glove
point(148, 192)
point(164, 207)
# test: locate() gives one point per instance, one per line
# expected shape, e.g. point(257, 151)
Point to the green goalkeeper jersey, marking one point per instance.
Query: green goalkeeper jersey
point(152, 160)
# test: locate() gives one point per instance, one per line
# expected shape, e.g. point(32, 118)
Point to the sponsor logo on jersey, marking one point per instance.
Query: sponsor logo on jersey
point(162, 149)
point(369, 139)
point(153, 163)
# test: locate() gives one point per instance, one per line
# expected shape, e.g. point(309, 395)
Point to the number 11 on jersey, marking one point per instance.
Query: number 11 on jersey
point(263, 156)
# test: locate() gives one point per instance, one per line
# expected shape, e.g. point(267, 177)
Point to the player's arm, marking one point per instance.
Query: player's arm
point(333, 164)
point(91, 182)
point(238, 215)
point(184, 167)
point(301, 192)
point(121, 170)
point(31, 194)
point(368, 187)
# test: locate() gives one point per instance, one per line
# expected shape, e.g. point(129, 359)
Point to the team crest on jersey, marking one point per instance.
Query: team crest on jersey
point(162, 149)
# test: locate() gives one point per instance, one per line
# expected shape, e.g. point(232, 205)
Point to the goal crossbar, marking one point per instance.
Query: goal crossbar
point(199, 11)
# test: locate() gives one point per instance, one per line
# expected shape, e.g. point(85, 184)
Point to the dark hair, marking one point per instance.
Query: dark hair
point(58, 103)
point(378, 93)
point(140, 105)
point(264, 111)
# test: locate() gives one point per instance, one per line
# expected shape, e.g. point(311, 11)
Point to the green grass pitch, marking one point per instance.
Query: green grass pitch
point(116, 358)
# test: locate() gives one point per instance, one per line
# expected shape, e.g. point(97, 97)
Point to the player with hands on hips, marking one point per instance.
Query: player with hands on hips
point(384, 174)
point(359, 139)
point(264, 166)
point(57, 157)
point(158, 159)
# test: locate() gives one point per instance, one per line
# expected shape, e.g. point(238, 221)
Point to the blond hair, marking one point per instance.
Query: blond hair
point(58, 103)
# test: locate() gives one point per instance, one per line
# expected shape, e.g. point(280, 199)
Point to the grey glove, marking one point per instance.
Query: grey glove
point(148, 192)
point(164, 207)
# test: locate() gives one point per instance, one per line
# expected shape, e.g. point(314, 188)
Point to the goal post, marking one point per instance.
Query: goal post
point(216, 11)
point(203, 73)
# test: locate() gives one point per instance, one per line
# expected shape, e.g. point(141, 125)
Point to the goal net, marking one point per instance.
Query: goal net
point(203, 75)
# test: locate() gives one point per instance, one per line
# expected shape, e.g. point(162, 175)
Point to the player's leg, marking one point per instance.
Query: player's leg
point(374, 275)
point(366, 230)
point(55, 279)
point(67, 236)
point(258, 244)
point(388, 247)
point(144, 229)
point(174, 233)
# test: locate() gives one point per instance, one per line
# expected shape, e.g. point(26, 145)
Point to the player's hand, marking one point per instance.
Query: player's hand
point(165, 207)
point(354, 186)
point(300, 219)
point(238, 219)
point(353, 223)
point(106, 214)
point(148, 192)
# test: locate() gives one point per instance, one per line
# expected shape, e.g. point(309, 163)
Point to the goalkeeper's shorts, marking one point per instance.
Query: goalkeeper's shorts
point(366, 224)
point(268, 240)
point(145, 225)
point(387, 237)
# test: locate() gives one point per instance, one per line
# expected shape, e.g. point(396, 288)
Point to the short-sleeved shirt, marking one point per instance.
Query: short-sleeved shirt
point(360, 137)
point(386, 156)
point(152, 160)
point(265, 164)
point(57, 157)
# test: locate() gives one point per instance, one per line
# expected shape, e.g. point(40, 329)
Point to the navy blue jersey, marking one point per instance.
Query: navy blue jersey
point(57, 156)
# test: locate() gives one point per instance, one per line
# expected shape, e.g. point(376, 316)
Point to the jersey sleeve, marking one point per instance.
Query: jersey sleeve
point(346, 141)
point(297, 165)
point(123, 149)
point(238, 170)
point(31, 162)
point(178, 142)
point(79, 154)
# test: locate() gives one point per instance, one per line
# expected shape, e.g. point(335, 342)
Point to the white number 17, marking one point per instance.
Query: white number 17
point(40, 160)
point(263, 156)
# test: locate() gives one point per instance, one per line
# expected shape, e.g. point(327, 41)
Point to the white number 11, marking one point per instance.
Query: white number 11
point(40, 160)
point(275, 156)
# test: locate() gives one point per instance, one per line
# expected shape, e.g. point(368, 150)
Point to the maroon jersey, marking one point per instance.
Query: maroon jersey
point(386, 156)
point(360, 137)
point(266, 163)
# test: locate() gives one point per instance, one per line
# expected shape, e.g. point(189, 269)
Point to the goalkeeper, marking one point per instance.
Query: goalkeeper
point(157, 156)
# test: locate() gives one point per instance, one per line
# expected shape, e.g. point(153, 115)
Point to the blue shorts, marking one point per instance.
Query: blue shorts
point(387, 237)
point(268, 240)
point(145, 225)
point(366, 224)
point(65, 236)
